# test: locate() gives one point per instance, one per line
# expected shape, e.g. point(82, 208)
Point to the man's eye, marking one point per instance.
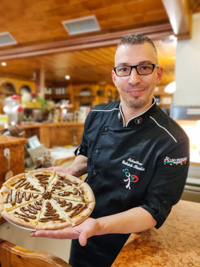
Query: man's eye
point(145, 67)
point(123, 69)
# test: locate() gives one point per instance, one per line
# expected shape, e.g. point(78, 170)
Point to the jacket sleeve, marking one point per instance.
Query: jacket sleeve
point(167, 184)
point(83, 148)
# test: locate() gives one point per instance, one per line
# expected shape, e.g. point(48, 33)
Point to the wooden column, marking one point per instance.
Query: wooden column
point(180, 17)
point(40, 81)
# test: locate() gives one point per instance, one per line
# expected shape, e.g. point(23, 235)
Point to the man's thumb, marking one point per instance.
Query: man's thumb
point(83, 239)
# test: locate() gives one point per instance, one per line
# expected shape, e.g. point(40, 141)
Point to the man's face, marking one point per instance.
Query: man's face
point(136, 91)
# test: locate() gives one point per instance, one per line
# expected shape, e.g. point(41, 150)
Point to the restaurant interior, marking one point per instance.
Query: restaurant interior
point(56, 59)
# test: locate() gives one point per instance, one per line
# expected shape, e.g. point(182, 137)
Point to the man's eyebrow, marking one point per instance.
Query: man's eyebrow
point(145, 62)
point(141, 62)
point(123, 64)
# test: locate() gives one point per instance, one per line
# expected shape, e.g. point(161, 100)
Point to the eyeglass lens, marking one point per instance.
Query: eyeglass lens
point(142, 69)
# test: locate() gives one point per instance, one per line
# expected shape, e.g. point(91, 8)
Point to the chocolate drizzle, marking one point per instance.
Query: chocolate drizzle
point(77, 209)
point(43, 179)
point(46, 195)
point(30, 211)
point(50, 214)
point(75, 192)
point(62, 182)
point(17, 197)
point(69, 207)
point(23, 183)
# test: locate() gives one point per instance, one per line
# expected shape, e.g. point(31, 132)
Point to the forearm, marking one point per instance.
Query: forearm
point(130, 221)
point(78, 167)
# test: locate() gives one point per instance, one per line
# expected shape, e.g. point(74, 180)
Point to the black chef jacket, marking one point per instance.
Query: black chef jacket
point(143, 163)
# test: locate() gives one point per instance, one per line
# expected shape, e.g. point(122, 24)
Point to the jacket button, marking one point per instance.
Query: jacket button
point(97, 151)
point(105, 128)
point(94, 172)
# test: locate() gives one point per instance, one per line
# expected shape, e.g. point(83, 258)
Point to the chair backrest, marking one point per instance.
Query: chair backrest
point(12, 255)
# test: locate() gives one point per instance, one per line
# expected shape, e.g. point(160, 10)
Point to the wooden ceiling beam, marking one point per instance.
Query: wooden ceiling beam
point(179, 15)
point(155, 32)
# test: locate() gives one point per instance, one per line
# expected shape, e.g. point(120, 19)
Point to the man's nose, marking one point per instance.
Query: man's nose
point(134, 76)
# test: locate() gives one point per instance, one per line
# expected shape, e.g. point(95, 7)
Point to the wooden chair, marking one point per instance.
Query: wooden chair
point(15, 256)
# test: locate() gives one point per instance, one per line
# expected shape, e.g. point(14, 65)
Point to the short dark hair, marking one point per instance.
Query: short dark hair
point(133, 39)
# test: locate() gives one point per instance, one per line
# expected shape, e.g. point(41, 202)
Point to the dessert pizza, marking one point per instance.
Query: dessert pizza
point(45, 199)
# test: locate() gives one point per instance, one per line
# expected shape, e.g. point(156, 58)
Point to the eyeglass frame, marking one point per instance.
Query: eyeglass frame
point(135, 67)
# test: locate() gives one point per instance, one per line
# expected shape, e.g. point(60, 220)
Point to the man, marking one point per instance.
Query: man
point(136, 158)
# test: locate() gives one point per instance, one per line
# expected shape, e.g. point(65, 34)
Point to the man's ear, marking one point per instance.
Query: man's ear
point(114, 77)
point(159, 75)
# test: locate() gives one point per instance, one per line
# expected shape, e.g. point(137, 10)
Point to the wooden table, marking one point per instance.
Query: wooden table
point(175, 244)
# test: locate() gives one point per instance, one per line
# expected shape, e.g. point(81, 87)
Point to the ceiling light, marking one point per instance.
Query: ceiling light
point(81, 25)
point(170, 88)
point(170, 39)
point(3, 64)
point(67, 77)
point(6, 39)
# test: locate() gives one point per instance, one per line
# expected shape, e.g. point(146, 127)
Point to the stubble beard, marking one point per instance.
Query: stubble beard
point(136, 103)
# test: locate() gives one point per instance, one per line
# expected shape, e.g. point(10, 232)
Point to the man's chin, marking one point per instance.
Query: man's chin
point(136, 103)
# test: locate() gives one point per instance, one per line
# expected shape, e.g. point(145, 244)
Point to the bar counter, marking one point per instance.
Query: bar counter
point(55, 134)
point(176, 243)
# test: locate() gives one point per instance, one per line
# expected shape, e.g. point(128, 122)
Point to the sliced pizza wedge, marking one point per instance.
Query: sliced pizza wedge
point(52, 217)
point(26, 215)
point(23, 182)
point(74, 210)
point(81, 193)
point(10, 199)
point(63, 181)
point(42, 178)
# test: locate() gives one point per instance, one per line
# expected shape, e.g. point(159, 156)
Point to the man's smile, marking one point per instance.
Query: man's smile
point(135, 91)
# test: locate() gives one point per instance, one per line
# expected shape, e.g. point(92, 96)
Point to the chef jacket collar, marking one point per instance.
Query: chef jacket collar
point(135, 120)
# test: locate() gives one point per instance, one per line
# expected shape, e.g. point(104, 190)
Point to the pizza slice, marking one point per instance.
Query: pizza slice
point(63, 182)
point(76, 211)
point(23, 182)
point(81, 193)
point(42, 178)
point(10, 199)
point(26, 215)
point(51, 217)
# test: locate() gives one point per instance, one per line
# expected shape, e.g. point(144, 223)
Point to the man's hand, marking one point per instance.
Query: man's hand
point(59, 169)
point(77, 168)
point(82, 232)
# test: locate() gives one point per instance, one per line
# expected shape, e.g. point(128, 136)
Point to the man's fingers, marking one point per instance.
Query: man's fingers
point(66, 233)
point(47, 233)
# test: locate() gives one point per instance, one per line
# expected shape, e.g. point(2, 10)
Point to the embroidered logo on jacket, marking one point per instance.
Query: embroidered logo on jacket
point(179, 161)
point(133, 164)
point(130, 178)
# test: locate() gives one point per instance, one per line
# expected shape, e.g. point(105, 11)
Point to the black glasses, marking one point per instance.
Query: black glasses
point(142, 69)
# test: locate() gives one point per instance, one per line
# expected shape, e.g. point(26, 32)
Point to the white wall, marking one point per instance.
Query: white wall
point(187, 69)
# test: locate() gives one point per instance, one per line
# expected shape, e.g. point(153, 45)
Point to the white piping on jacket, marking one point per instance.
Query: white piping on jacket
point(105, 110)
point(164, 129)
point(126, 124)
